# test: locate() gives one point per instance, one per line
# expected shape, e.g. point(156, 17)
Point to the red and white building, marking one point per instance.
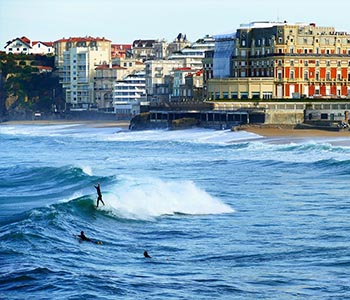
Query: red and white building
point(24, 45)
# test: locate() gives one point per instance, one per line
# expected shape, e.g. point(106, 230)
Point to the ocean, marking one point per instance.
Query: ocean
point(224, 215)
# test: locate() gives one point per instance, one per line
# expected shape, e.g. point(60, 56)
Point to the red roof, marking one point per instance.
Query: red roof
point(183, 69)
point(83, 39)
point(106, 67)
point(47, 44)
point(24, 39)
point(44, 68)
point(121, 46)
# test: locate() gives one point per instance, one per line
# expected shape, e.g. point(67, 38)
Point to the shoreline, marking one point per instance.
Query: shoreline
point(261, 130)
point(92, 123)
point(276, 131)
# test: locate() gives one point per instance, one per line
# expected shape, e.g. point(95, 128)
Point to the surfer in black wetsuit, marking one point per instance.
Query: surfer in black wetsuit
point(145, 254)
point(99, 194)
point(83, 236)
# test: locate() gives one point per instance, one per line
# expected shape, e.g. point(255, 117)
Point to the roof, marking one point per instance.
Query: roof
point(23, 39)
point(83, 39)
point(121, 46)
point(143, 43)
point(184, 69)
point(107, 67)
point(44, 68)
point(47, 44)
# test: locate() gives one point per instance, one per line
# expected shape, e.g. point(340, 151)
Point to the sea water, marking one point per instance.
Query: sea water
point(224, 215)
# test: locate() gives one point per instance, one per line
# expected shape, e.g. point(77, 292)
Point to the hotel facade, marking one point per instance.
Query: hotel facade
point(281, 61)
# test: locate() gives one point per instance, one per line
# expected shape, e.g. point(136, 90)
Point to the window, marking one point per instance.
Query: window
point(291, 75)
point(292, 62)
point(306, 75)
point(317, 76)
point(317, 63)
point(328, 75)
point(279, 75)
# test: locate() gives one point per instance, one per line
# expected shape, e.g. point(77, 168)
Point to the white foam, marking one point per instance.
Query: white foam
point(149, 198)
point(196, 135)
point(87, 170)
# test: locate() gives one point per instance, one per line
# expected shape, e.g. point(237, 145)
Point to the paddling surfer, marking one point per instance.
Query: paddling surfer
point(146, 255)
point(99, 194)
point(83, 236)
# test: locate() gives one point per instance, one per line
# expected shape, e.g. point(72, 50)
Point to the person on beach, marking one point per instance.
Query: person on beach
point(83, 236)
point(99, 194)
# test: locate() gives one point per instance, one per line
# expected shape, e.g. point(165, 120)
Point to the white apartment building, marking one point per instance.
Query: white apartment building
point(192, 56)
point(128, 94)
point(77, 75)
point(156, 72)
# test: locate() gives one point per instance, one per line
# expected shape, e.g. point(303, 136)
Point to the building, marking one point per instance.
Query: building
point(163, 49)
point(121, 51)
point(105, 77)
point(129, 94)
point(192, 56)
point(282, 60)
point(102, 45)
point(24, 45)
point(157, 74)
point(78, 73)
point(180, 75)
point(144, 49)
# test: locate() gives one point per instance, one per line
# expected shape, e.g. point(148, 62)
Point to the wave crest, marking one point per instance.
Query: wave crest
point(150, 198)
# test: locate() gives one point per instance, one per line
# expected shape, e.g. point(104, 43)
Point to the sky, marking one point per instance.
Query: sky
point(123, 21)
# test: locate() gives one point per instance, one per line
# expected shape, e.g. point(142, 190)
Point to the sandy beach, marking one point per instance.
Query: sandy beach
point(290, 132)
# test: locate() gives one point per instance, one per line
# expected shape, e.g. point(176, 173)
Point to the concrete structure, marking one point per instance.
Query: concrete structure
point(78, 72)
point(129, 94)
point(240, 88)
point(301, 60)
point(144, 49)
point(102, 45)
point(157, 74)
point(193, 55)
point(163, 49)
point(105, 77)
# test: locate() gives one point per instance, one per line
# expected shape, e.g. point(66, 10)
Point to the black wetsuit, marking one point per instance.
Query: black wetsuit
point(83, 237)
point(99, 194)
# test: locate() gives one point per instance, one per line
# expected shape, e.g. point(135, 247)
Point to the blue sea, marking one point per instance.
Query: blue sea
point(224, 215)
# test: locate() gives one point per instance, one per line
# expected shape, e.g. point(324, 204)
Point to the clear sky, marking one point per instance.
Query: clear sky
point(123, 21)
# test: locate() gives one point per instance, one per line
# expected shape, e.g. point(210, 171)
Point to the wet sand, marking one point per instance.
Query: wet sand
point(290, 132)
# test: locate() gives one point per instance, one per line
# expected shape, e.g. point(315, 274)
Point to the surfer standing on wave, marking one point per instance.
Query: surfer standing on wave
point(99, 194)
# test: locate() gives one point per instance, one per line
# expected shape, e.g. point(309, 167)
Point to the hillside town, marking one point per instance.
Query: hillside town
point(264, 72)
